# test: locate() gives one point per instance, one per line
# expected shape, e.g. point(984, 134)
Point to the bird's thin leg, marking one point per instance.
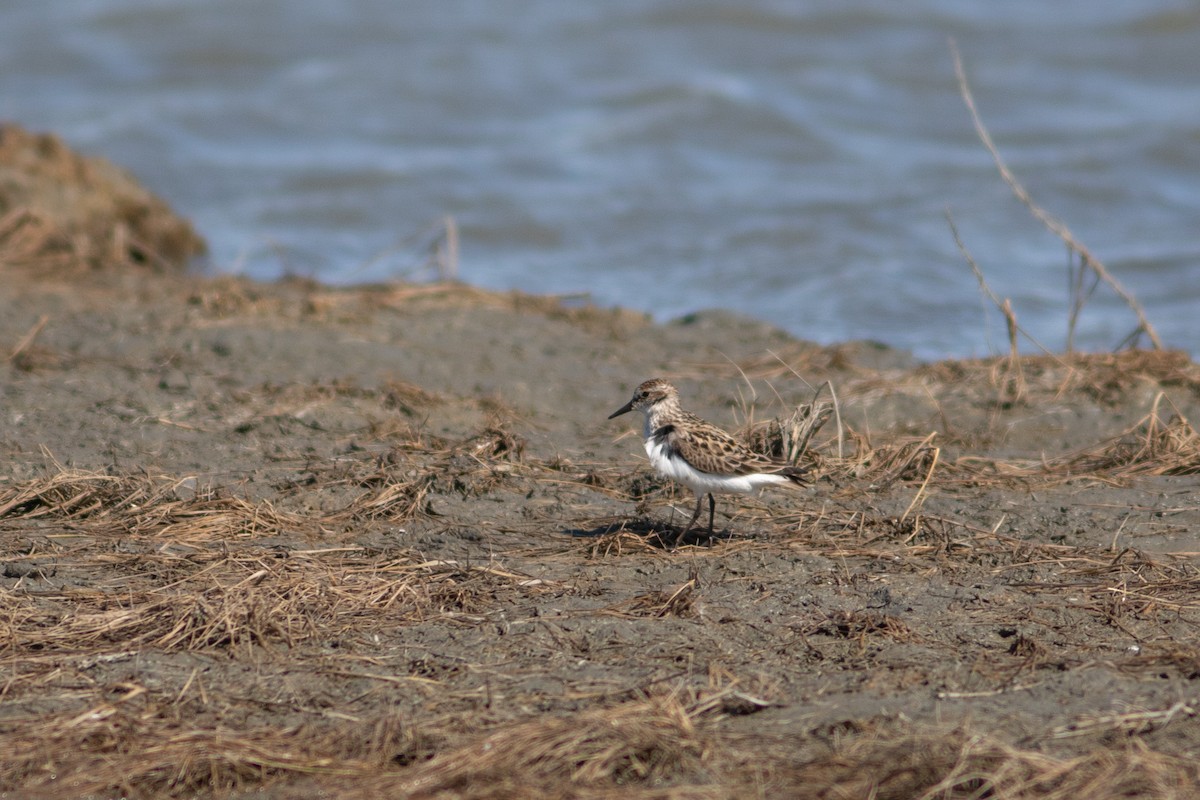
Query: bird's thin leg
point(712, 508)
point(695, 515)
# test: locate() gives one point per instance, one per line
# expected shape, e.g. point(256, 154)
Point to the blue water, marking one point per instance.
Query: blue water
point(792, 161)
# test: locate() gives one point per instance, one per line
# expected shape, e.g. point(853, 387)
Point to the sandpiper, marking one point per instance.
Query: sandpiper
point(698, 454)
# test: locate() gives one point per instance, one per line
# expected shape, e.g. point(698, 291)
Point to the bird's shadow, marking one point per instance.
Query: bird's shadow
point(654, 533)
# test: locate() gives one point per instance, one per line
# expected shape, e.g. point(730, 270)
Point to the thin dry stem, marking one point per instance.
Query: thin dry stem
point(1053, 224)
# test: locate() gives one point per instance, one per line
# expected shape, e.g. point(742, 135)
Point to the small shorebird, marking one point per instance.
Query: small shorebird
point(698, 454)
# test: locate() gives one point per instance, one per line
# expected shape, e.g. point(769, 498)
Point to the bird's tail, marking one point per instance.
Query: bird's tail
point(796, 475)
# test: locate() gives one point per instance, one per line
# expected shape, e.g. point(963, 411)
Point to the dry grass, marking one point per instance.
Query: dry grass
point(1164, 442)
point(677, 602)
point(214, 589)
point(190, 569)
point(960, 765)
point(663, 746)
point(168, 568)
point(1154, 446)
point(229, 598)
point(632, 747)
point(1105, 377)
point(116, 748)
point(146, 505)
point(221, 299)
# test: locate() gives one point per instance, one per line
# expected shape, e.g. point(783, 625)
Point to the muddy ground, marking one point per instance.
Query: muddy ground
point(290, 541)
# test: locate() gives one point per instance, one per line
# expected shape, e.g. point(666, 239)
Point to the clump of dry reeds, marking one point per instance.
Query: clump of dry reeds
point(1156, 445)
point(1105, 377)
point(191, 571)
point(656, 747)
point(77, 493)
point(860, 624)
point(118, 748)
point(149, 505)
point(906, 459)
point(963, 766)
point(791, 438)
point(230, 598)
point(69, 212)
point(186, 511)
point(677, 602)
point(636, 747)
point(388, 497)
point(788, 438)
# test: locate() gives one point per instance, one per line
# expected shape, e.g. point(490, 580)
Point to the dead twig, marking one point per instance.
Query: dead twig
point(28, 338)
point(1086, 261)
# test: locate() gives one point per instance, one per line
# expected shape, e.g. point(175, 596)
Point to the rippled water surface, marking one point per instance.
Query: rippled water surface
point(790, 160)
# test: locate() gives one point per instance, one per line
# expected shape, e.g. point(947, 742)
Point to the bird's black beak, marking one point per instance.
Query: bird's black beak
point(622, 410)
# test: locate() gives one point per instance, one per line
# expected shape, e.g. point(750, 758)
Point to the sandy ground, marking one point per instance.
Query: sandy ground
point(289, 541)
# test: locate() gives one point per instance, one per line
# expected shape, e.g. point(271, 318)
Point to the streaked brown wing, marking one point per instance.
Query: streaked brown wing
point(712, 450)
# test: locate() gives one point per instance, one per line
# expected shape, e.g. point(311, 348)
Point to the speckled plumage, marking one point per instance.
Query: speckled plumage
point(686, 448)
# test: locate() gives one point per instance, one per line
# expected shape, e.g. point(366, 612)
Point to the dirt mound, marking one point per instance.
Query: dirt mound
point(63, 211)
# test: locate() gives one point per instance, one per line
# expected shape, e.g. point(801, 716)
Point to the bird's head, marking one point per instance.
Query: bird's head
point(646, 395)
